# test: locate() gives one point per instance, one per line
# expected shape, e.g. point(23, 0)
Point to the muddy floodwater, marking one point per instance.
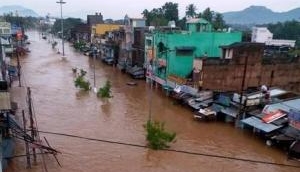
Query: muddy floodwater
point(62, 108)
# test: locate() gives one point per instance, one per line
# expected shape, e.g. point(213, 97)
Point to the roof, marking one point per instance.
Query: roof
point(231, 111)
point(273, 92)
point(197, 20)
point(259, 124)
point(286, 105)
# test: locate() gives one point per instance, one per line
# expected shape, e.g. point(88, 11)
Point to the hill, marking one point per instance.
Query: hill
point(260, 15)
point(17, 9)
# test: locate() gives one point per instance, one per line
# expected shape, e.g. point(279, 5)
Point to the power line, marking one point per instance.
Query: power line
point(174, 150)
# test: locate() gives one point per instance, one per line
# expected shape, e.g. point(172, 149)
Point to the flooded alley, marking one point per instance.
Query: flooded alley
point(62, 108)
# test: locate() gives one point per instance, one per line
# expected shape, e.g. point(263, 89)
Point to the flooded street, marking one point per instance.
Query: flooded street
point(62, 108)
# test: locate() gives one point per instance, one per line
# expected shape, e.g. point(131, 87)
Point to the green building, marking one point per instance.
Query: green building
point(171, 53)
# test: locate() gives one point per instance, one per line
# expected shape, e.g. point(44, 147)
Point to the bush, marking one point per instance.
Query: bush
point(82, 83)
point(156, 136)
point(105, 91)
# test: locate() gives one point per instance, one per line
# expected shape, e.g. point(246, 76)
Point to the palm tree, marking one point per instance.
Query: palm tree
point(191, 11)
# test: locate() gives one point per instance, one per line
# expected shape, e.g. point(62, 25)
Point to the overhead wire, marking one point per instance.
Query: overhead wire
point(173, 150)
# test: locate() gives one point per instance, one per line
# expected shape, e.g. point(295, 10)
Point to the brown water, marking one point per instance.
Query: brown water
point(60, 107)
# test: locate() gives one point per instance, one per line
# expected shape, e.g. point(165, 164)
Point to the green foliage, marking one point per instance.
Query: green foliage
point(105, 91)
point(161, 16)
point(69, 23)
point(191, 11)
point(286, 30)
point(79, 44)
point(156, 136)
point(207, 14)
point(170, 11)
point(218, 22)
point(25, 22)
point(80, 81)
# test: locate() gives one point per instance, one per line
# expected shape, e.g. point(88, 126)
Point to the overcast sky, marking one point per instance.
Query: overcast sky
point(116, 9)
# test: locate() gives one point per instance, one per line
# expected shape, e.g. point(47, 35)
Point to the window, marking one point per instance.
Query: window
point(148, 42)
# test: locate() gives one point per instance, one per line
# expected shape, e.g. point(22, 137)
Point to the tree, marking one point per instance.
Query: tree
point(207, 14)
point(69, 23)
point(155, 17)
point(286, 30)
point(105, 91)
point(182, 23)
point(170, 11)
point(191, 11)
point(156, 136)
point(219, 22)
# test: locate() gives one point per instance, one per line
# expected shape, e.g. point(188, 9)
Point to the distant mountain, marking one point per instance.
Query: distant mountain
point(260, 15)
point(17, 9)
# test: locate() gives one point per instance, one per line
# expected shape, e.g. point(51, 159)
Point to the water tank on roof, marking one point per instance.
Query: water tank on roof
point(151, 28)
point(171, 24)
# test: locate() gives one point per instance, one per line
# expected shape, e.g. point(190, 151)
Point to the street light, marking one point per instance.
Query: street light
point(62, 26)
point(94, 62)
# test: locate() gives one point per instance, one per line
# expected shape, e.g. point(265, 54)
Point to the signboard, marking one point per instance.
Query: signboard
point(272, 116)
point(294, 119)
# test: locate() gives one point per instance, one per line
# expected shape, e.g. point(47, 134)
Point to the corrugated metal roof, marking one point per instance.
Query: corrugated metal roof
point(285, 106)
point(259, 124)
point(231, 111)
point(273, 92)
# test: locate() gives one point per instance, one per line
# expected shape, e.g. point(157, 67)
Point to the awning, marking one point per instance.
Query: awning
point(5, 101)
point(186, 48)
point(259, 124)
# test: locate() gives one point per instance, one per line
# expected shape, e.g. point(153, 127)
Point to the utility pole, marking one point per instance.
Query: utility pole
point(26, 142)
point(33, 132)
point(94, 62)
point(242, 105)
point(61, 2)
point(19, 69)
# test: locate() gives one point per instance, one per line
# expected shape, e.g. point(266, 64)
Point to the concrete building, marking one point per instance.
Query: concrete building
point(263, 35)
point(174, 55)
point(125, 60)
point(243, 66)
point(94, 19)
point(99, 30)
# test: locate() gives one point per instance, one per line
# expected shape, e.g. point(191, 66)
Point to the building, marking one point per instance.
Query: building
point(94, 19)
point(99, 30)
point(81, 32)
point(125, 58)
point(243, 66)
point(263, 35)
point(173, 56)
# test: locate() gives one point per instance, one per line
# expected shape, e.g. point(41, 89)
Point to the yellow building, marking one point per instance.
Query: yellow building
point(100, 29)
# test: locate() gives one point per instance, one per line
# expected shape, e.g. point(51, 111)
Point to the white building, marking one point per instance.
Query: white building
point(263, 35)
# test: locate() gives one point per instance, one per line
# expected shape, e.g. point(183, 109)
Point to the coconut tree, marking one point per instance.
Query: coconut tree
point(191, 11)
